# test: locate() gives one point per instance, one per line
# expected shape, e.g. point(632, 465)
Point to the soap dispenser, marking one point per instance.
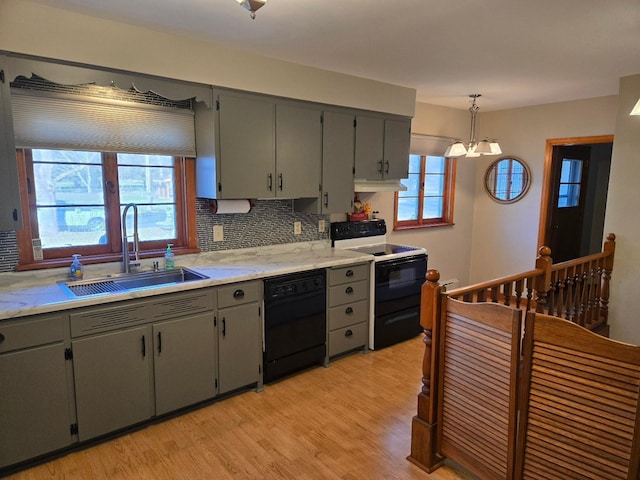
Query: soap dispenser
point(76, 270)
point(169, 258)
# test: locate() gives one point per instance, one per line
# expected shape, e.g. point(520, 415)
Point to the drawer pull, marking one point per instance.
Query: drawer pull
point(348, 333)
point(238, 294)
point(349, 311)
point(348, 290)
point(349, 273)
point(1, 338)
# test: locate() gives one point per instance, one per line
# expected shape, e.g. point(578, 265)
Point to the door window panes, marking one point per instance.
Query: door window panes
point(570, 178)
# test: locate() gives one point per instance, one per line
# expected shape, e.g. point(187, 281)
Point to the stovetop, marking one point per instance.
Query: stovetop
point(369, 237)
point(381, 249)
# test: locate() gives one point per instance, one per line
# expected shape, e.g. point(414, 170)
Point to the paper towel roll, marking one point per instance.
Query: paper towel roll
point(230, 206)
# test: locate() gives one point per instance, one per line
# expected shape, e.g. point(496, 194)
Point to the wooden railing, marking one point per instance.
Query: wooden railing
point(577, 290)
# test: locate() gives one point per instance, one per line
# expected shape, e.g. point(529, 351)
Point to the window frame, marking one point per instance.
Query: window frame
point(448, 197)
point(186, 236)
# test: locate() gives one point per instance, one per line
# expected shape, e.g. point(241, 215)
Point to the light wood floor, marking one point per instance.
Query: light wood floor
point(350, 421)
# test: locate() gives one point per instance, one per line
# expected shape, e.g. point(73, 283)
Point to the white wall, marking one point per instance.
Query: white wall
point(622, 215)
point(44, 31)
point(505, 237)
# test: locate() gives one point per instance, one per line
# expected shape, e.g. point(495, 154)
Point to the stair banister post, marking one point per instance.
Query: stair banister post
point(423, 426)
point(610, 248)
point(543, 281)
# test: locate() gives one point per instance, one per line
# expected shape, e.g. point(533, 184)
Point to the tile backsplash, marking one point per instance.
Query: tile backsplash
point(269, 222)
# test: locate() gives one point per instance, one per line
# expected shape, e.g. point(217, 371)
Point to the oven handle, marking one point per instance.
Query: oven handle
point(387, 264)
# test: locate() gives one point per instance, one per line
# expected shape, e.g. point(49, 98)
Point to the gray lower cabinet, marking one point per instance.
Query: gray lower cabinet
point(348, 308)
point(240, 336)
point(184, 362)
point(35, 408)
point(141, 358)
point(113, 381)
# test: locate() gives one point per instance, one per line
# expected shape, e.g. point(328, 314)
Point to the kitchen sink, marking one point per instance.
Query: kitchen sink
point(124, 282)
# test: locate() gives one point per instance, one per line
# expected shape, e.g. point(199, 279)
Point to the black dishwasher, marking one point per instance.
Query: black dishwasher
point(295, 325)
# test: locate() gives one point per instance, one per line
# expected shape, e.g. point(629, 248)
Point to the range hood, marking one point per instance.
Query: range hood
point(362, 185)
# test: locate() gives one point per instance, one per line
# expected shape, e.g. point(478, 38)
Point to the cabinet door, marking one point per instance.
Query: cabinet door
point(298, 151)
point(247, 149)
point(113, 381)
point(10, 215)
point(240, 346)
point(338, 147)
point(184, 362)
point(397, 136)
point(369, 147)
point(34, 403)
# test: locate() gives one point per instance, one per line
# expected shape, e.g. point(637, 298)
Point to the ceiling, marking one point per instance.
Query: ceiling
point(514, 53)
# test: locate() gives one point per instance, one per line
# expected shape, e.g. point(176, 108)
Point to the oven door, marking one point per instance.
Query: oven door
point(396, 279)
point(398, 285)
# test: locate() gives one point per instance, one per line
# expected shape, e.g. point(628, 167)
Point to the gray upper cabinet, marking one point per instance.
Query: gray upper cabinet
point(338, 147)
point(235, 142)
point(298, 151)
point(10, 214)
point(247, 147)
point(255, 147)
point(382, 148)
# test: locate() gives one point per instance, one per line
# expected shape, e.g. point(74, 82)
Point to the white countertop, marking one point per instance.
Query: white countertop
point(34, 292)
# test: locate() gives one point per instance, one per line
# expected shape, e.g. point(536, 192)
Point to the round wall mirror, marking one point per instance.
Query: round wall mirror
point(507, 179)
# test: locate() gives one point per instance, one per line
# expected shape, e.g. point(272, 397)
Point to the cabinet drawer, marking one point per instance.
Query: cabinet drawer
point(348, 314)
point(352, 273)
point(348, 292)
point(239, 293)
point(30, 333)
point(348, 338)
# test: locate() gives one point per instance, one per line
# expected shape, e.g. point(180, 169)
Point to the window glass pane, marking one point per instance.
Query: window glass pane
point(433, 185)
point(432, 207)
point(569, 195)
point(571, 171)
point(149, 182)
point(435, 165)
point(414, 163)
point(407, 209)
point(70, 205)
point(145, 160)
point(413, 186)
point(155, 222)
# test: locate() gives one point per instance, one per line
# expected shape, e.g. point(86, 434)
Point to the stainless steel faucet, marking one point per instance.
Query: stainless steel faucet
point(126, 256)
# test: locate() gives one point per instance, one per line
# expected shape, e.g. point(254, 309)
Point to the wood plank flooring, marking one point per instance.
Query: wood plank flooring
point(350, 421)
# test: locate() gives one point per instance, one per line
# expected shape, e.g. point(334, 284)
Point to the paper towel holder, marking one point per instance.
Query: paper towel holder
point(230, 206)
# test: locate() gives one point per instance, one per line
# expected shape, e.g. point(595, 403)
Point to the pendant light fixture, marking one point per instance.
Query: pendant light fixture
point(252, 6)
point(473, 149)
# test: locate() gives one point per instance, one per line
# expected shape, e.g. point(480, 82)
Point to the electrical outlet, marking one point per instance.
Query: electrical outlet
point(218, 233)
point(321, 226)
point(297, 228)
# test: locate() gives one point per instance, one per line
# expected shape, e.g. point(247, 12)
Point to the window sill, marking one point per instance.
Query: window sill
point(421, 226)
point(93, 259)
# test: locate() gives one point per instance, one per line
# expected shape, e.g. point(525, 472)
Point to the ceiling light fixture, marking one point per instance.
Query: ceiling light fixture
point(252, 6)
point(473, 149)
point(636, 109)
